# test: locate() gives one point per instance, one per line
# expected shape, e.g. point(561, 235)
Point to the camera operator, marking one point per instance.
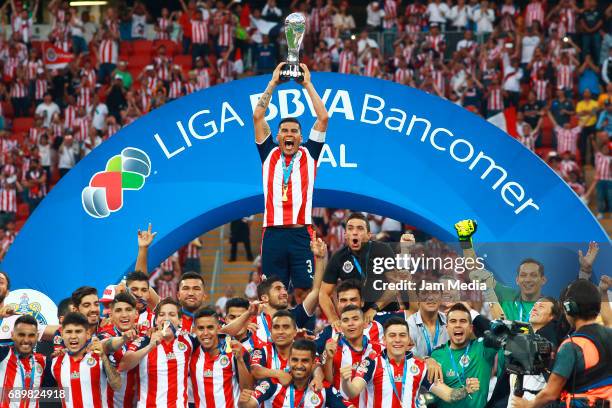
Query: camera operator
point(543, 318)
point(582, 374)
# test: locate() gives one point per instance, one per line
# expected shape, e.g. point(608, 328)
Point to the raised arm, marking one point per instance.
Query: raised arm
point(114, 379)
point(262, 129)
point(317, 103)
point(145, 238)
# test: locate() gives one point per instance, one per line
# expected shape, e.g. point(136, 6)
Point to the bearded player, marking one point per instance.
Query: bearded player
point(289, 170)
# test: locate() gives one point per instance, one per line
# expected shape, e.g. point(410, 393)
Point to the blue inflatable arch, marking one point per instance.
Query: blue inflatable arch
point(192, 165)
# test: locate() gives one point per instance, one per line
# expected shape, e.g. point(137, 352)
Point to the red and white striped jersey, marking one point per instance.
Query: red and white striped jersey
point(495, 101)
point(40, 88)
point(540, 86)
point(297, 209)
point(145, 318)
point(32, 68)
point(346, 355)
point(434, 41)
point(163, 24)
point(90, 74)
point(108, 52)
point(226, 35)
point(162, 64)
point(390, 20)
point(316, 17)
point(35, 133)
point(402, 76)
point(535, 67)
point(226, 70)
point(163, 372)
point(151, 85)
point(372, 67)
point(199, 32)
point(19, 90)
point(176, 89)
point(335, 235)
point(186, 320)
point(84, 96)
point(81, 128)
point(439, 80)
point(203, 75)
point(69, 116)
point(567, 139)
point(21, 373)
point(534, 12)
point(214, 380)
point(267, 356)
point(346, 61)
point(8, 198)
point(568, 166)
point(528, 141)
point(568, 19)
point(192, 251)
point(190, 87)
point(379, 391)
point(23, 27)
point(565, 76)
point(84, 379)
point(270, 395)
point(36, 191)
point(603, 166)
point(126, 396)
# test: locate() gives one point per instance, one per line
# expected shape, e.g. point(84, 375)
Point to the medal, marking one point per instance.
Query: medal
point(285, 188)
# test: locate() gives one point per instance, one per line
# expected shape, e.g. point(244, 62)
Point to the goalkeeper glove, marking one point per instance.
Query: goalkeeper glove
point(465, 229)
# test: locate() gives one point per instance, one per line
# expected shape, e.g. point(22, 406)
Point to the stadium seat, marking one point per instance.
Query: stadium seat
point(23, 211)
point(183, 60)
point(142, 47)
point(139, 61)
point(22, 124)
point(125, 48)
point(171, 46)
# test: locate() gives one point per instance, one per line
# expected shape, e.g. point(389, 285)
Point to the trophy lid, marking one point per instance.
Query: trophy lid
point(295, 18)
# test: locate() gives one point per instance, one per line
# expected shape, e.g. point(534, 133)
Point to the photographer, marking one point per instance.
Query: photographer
point(543, 318)
point(582, 373)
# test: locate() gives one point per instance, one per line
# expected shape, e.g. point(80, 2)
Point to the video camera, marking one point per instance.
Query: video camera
point(527, 353)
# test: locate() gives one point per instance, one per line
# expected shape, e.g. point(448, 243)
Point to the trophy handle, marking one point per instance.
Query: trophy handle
point(291, 71)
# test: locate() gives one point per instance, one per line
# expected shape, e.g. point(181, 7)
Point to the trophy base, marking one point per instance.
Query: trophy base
point(291, 71)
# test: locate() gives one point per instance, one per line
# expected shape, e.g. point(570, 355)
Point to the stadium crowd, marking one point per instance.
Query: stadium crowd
point(157, 343)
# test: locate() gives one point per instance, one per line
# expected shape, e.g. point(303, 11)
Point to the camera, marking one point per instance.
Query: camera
point(527, 353)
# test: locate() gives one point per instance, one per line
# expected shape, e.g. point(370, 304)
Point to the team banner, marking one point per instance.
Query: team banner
point(192, 165)
point(56, 58)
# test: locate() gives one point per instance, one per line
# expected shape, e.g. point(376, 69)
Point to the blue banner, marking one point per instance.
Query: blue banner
point(192, 165)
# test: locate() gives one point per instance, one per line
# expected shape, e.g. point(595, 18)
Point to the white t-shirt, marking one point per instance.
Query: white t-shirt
point(389, 224)
point(484, 20)
point(99, 116)
point(45, 154)
point(47, 112)
point(437, 12)
point(529, 44)
point(374, 18)
point(67, 156)
point(361, 44)
point(458, 16)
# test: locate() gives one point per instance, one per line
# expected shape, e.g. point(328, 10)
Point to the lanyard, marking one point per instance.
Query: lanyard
point(391, 375)
point(292, 397)
point(364, 343)
point(79, 350)
point(358, 265)
point(276, 359)
point(287, 169)
point(452, 358)
point(519, 304)
point(22, 371)
point(426, 336)
point(264, 323)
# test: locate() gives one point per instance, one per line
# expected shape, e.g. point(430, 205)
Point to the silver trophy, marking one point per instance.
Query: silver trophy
point(295, 27)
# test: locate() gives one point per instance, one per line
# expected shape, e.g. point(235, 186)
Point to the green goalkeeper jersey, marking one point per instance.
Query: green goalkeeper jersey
point(472, 361)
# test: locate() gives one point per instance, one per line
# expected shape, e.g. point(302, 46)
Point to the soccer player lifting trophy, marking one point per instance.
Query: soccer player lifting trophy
point(289, 169)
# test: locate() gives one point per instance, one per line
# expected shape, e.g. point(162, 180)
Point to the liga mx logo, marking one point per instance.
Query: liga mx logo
point(125, 171)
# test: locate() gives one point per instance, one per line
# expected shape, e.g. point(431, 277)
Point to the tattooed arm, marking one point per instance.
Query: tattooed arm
point(262, 129)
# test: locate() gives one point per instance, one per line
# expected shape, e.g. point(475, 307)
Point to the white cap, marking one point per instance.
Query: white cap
point(109, 294)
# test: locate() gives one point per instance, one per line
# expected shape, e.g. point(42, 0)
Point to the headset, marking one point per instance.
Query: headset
point(570, 305)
